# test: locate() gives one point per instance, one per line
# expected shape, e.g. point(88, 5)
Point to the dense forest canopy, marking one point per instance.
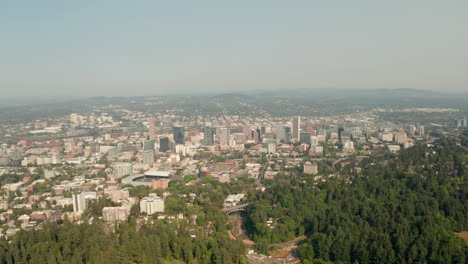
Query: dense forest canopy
point(88, 243)
point(404, 210)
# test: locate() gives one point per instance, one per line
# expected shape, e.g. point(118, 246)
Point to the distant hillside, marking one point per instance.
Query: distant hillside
point(372, 98)
point(283, 102)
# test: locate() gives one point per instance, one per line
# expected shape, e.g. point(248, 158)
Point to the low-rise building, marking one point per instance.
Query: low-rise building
point(393, 148)
point(310, 168)
point(112, 214)
point(160, 184)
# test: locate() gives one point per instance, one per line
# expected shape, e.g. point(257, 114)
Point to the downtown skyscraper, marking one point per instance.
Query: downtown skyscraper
point(179, 135)
point(296, 128)
point(208, 136)
point(152, 128)
point(224, 136)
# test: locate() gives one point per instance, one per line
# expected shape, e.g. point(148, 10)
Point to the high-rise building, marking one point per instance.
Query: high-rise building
point(152, 128)
point(179, 135)
point(296, 128)
point(208, 136)
point(305, 137)
point(247, 131)
point(148, 145)
point(412, 130)
point(81, 200)
point(280, 133)
point(172, 145)
point(224, 136)
point(259, 133)
point(152, 204)
point(164, 144)
point(340, 133)
point(148, 157)
point(309, 127)
point(4, 148)
point(288, 134)
point(421, 130)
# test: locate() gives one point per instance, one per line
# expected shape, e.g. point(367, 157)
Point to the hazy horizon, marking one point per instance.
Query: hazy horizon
point(379, 94)
point(120, 48)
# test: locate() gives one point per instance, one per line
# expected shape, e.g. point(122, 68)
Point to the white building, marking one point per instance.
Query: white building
point(113, 214)
point(386, 137)
point(56, 158)
point(74, 119)
point(310, 168)
point(393, 148)
point(313, 141)
point(152, 204)
point(81, 200)
point(224, 136)
point(121, 169)
point(271, 148)
point(105, 149)
point(348, 146)
point(12, 187)
point(421, 130)
point(233, 199)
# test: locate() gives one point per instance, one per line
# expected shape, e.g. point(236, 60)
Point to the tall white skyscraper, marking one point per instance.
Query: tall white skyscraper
point(296, 129)
point(224, 137)
point(421, 130)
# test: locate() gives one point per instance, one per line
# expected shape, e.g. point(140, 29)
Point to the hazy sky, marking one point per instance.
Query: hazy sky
point(152, 47)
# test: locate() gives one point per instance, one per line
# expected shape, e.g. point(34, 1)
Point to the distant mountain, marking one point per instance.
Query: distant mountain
point(326, 92)
point(375, 97)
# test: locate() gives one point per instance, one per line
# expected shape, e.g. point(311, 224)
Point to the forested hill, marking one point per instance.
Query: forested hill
point(404, 210)
point(158, 243)
point(179, 241)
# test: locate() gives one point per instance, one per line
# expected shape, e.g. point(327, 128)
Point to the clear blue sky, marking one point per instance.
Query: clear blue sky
point(152, 47)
